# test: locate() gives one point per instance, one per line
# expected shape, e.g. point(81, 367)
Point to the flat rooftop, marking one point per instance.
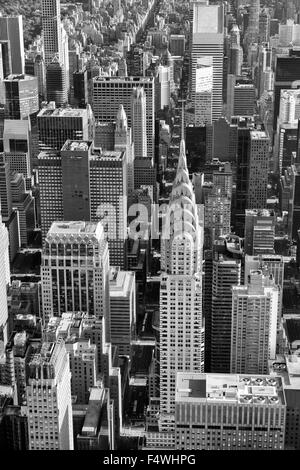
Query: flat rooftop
point(62, 112)
point(239, 388)
point(104, 79)
point(74, 227)
point(76, 145)
point(258, 135)
point(18, 78)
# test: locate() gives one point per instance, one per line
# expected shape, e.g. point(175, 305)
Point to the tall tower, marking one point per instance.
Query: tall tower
point(254, 323)
point(123, 143)
point(48, 396)
point(253, 27)
point(4, 280)
point(139, 122)
point(208, 40)
point(181, 324)
point(80, 280)
point(11, 30)
point(258, 170)
point(51, 29)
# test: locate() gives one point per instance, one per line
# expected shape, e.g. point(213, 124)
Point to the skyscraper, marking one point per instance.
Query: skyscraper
point(51, 29)
point(110, 92)
point(56, 125)
point(4, 281)
point(204, 91)
point(56, 82)
point(181, 324)
point(123, 143)
point(122, 309)
point(48, 396)
point(254, 324)
point(259, 231)
point(11, 30)
point(253, 26)
point(208, 40)
point(138, 119)
point(80, 281)
point(227, 268)
point(229, 412)
point(258, 170)
point(86, 183)
point(21, 96)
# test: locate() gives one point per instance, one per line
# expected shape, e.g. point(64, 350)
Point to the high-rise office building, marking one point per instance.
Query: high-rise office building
point(48, 396)
point(21, 96)
point(110, 92)
point(4, 281)
point(264, 26)
point(217, 210)
point(56, 82)
point(208, 40)
point(229, 412)
point(258, 169)
point(287, 75)
point(123, 142)
point(254, 324)
point(80, 281)
point(122, 310)
point(86, 183)
point(226, 272)
point(51, 29)
point(138, 119)
point(181, 323)
point(82, 354)
point(177, 44)
point(274, 264)
point(259, 231)
point(8, 213)
point(204, 91)
point(11, 30)
point(17, 146)
point(56, 125)
point(294, 203)
point(253, 25)
point(240, 97)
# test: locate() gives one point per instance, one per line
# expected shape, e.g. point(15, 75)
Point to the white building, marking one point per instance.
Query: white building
point(203, 91)
point(229, 412)
point(139, 125)
point(123, 143)
point(48, 396)
point(258, 169)
point(254, 324)
point(122, 309)
point(208, 40)
point(75, 270)
point(110, 92)
point(181, 324)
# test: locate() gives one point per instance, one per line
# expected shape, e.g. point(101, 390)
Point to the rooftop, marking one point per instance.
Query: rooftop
point(76, 145)
point(239, 388)
point(76, 227)
point(62, 112)
point(293, 329)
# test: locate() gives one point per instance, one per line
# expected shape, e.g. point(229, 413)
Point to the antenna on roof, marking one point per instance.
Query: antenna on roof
point(182, 118)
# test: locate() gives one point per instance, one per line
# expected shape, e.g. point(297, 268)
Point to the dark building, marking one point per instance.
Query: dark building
point(80, 84)
point(287, 72)
point(135, 61)
point(226, 272)
point(242, 170)
point(196, 148)
point(56, 83)
point(13, 426)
